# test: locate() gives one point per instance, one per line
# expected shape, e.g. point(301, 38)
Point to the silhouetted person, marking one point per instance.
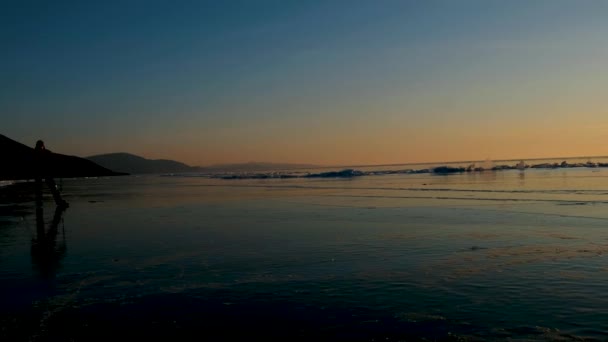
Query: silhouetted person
point(43, 167)
point(46, 252)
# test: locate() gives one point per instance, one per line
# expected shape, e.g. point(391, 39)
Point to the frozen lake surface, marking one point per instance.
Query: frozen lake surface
point(476, 256)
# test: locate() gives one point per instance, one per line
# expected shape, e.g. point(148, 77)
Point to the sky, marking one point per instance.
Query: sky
point(343, 82)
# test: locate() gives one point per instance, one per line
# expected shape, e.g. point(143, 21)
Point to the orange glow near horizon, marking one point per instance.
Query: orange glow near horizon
point(397, 144)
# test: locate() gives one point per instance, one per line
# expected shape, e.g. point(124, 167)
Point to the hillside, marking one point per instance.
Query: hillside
point(18, 162)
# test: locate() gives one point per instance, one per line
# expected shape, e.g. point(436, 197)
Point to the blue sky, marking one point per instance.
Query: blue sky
point(329, 82)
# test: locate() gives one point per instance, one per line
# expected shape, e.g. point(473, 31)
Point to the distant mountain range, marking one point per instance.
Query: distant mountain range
point(257, 166)
point(21, 162)
point(130, 163)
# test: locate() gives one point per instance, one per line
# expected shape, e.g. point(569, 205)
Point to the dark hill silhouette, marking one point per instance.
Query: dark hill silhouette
point(126, 162)
point(18, 162)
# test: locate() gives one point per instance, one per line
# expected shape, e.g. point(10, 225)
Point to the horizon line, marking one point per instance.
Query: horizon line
point(469, 161)
point(304, 165)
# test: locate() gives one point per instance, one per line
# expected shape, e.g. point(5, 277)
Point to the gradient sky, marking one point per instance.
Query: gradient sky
point(324, 82)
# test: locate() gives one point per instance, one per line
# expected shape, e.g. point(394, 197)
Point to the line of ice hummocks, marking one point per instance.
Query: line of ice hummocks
point(349, 173)
point(6, 183)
